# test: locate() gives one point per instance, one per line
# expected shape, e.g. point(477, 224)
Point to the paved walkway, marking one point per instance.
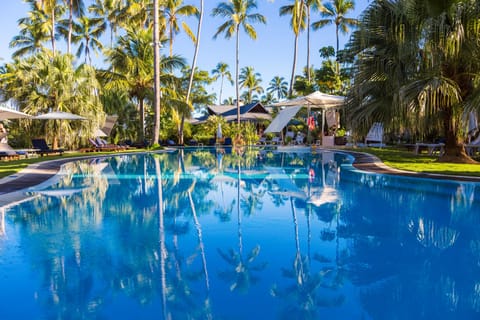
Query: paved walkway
point(12, 188)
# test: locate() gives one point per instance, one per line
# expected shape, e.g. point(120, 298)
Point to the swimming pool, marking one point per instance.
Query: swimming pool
point(208, 234)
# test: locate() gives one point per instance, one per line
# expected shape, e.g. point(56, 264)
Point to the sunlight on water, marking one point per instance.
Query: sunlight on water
point(208, 234)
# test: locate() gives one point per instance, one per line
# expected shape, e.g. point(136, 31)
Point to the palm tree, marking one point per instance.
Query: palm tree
point(156, 73)
point(172, 10)
point(238, 13)
point(221, 71)
point(135, 13)
point(109, 11)
point(75, 8)
point(32, 34)
point(131, 69)
point(132, 59)
point(51, 10)
point(45, 82)
point(315, 5)
point(278, 86)
point(418, 71)
point(335, 12)
point(250, 80)
point(229, 101)
point(297, 22)
point(194, 64)
point(87, 32)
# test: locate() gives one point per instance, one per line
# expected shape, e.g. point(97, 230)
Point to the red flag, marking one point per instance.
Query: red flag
point(311, 123)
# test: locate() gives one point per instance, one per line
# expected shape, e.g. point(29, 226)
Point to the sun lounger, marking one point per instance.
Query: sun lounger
point(432, 148)
point(42, 148)
point(99, 145)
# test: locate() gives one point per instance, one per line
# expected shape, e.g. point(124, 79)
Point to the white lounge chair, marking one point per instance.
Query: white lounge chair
point(276, 140)
point(289, 137)
point(299, 138)
point(374, 137)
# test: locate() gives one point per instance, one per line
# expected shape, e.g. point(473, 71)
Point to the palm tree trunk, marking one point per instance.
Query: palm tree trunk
point(221, 89)
point(70, 26)
point(170, 42)
point(292, 78)
point(52, 32)
point(156, 73)
point(454, 151)
point(192, 72)
point(308, 46)
point(141, 134)
point(87, 52)
point(237, 63)
point(337, 69)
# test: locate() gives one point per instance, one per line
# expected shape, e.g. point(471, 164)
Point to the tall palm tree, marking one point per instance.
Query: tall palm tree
point(75, 8)
point(315, 5)
point(278, 86)
point(32, 34)
point(221, 71)
point(194, 63)
point(335, 12)
point(109, 11)
point(51, 9)
point(238, 13)
point(131, 69)
point(156, 72)
point(250, 80)
point(172, 10)
point(87, 32)
point(132, 59)
point(297, 23)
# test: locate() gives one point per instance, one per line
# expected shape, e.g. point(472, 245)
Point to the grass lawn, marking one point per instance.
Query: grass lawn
point(408, 160)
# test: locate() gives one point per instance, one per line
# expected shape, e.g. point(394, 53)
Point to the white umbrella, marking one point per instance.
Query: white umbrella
point(8, 113)
point(316, 99)
point(59, 115)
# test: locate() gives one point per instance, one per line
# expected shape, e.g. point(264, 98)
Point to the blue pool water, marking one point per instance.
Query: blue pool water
point(204, 234)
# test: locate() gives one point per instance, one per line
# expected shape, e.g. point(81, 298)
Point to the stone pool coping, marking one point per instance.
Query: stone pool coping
point(14, 188)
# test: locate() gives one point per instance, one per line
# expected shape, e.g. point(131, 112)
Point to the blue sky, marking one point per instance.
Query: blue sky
point(270, 55)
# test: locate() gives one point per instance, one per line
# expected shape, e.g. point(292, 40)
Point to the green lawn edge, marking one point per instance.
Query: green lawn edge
point(409, 161)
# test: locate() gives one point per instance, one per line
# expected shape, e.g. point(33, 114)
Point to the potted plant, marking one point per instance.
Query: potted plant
point(340, 138)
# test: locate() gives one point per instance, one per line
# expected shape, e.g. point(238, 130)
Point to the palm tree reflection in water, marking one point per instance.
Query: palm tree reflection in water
point(241, 275)
point(148, 233)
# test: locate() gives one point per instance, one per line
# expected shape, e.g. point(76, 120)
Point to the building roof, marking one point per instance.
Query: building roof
point(249, 112)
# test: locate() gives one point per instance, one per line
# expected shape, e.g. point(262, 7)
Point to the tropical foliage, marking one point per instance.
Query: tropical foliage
point(414, 68)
